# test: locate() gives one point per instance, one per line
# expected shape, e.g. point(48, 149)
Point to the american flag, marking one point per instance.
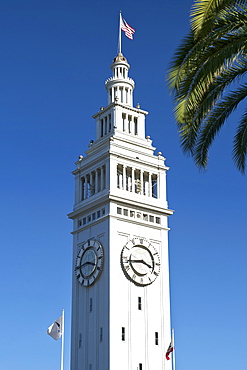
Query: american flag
point(128, 30)
point(169, 350)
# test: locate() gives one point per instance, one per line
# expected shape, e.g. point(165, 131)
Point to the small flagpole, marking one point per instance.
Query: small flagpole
point(119, 35)
point(62, 345)
point(173, 353)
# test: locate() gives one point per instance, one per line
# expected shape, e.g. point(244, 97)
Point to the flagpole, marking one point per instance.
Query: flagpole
point(62, 345)
point(173, 353)
point(119, 35)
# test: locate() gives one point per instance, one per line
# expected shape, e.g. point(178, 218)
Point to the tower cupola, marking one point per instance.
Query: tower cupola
point(120, 87)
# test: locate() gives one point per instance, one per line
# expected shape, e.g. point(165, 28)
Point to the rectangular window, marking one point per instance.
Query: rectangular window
point(129, 124)
point(157, 220)
point(145, 217)
point(80, 339)
point(101, 335)
point(154, 186)
point(156, 338)
point(123, 334)
point(119, 210)
point(103, 177)
point(79, 223)
point(103, 211)
point(121, 94)
point(109, 120)
point(84, 221)
point(140, 366)
point(98, 214)
point(89, 218)
point(82, 188)
point(135, 125)
point(119, 176)
point(139, 303)
point(94, 216)
point(151, 218)
point(125, 212)
point(105, 125)
point(91, 305)
point(101, 127)
point(124, 118)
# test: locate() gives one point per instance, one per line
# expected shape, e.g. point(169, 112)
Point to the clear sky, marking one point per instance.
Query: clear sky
point(55, 57)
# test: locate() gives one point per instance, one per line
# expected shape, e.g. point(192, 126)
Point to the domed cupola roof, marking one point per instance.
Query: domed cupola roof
point(120, 59)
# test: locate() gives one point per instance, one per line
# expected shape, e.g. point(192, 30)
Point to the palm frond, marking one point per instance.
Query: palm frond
point(220, 68)
point(240, 144)
point(214, 122)
point(207, 63)
point(205, 12)
point(202, 11)
point(207, 60)
point(216, 90)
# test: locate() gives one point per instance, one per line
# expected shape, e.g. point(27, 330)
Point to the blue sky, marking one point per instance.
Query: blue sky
point(55, 57)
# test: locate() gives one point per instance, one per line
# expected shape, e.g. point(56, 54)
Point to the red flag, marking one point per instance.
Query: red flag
point(128, 30)
point(169, 350)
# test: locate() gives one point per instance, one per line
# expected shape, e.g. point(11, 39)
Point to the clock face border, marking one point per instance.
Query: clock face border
point(140, 262)
point(83, 260)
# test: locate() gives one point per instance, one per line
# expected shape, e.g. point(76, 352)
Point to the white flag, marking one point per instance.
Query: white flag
point(56, 329)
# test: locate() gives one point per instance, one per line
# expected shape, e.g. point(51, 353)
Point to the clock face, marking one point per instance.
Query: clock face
point(140, 261)
point(89, 262)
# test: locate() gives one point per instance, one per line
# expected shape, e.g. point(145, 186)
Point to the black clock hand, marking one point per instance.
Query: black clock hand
point(140, 261)
point(84, 264)
point(145, 263)
point(136, 261)
point(87, 263)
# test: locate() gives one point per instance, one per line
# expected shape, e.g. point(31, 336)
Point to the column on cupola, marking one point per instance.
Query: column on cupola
point(101, 178)
point(91, 183)
point(141, 179)
point(107, 175)
point(132, 180)
point(146, 183)
point(162, 185)
point(113, 177)
point(149, 184)
point(124, 177)
point(85, 187)
point(96, 181)
point(118, 117)
point(128, 178)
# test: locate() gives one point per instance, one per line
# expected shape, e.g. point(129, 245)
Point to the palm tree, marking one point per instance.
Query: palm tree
point(203, 76)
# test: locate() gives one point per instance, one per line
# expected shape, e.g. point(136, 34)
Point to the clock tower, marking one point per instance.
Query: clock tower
point(120, 297)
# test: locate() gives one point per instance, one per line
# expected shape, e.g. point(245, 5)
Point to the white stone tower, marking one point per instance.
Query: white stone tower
point(120, 298)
